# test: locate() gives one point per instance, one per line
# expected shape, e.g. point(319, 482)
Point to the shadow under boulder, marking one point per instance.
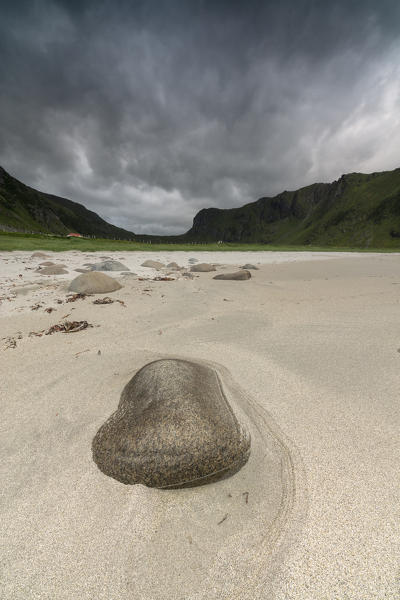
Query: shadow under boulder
point(174, 428)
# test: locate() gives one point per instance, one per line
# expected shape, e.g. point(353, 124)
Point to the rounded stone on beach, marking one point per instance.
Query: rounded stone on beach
point(94, 282)
point(52, 270)
point(39, 255)
point(248, 266)
point(237, 276)
point(202, 268)
point(153, 264)
point(174, 428)
point(47, 263)
point(109, 265)
point(174, 266)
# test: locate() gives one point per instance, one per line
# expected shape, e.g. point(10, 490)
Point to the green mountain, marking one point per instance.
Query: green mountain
point(357, 210)
point(24, 209)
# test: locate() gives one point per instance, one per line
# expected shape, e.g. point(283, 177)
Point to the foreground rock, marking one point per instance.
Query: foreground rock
point(173, 428)
point(153, 264)
point(249, 266)
point(55, 270)
point(109, 265)
point(202, 268)
point(237, 276)
point(94, 282)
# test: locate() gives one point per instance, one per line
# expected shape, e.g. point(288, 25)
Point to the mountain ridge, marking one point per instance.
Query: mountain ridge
point(25, 209)
point(355, 210)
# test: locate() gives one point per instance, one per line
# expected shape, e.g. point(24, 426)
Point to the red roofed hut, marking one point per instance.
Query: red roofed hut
point(74, 235)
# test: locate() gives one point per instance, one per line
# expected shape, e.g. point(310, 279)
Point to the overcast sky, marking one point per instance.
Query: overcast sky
point(147, 111)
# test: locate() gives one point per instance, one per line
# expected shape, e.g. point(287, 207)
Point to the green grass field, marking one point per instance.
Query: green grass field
point(32, 242)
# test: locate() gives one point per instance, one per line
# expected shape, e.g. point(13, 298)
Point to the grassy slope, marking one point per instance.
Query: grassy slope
point(24, 208)
point(366, 214)
point(32, 242)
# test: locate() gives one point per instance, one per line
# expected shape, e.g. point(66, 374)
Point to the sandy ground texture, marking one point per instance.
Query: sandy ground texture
point(308, 352)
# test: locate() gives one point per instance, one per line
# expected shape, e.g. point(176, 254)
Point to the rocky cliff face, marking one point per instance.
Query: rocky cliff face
point(339, 213)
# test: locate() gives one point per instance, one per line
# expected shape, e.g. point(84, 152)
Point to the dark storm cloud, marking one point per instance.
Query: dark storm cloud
point(148, 111)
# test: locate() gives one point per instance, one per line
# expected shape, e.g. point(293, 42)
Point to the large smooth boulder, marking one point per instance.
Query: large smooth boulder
point(202, 268)
point(237, 276)
point(94, 282)
point(153, 264)
point(109, 265)
point(174, 428)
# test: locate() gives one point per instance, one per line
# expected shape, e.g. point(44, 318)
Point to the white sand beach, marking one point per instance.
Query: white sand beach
point(308, 351)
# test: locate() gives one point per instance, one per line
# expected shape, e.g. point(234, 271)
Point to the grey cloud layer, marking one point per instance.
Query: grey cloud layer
point(148, 111)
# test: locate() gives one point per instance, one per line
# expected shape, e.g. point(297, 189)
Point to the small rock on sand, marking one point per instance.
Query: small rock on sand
point(94, 282)
point(109, 265)
point(153, 264)
point(55, 270)
point(173, 428)
point(47, 263)
point(237, 276)
point(39, 255)
point(202, 268)
point(193, 260)
point(174, 266)
point(249, 266)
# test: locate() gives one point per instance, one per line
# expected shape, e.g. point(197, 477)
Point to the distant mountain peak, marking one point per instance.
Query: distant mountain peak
point(23, 208)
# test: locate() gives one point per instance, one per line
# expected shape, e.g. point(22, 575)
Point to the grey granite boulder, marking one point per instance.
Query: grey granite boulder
point(46, 263)
point(237, 276)
point(249, 266)
point(94, 282)
point(202, 268)
point(109, 265)
point(174, 428)
point(153, 264)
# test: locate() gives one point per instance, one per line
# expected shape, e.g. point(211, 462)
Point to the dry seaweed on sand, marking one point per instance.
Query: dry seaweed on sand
point(10, 342)
point(163, 279)
point(76, 297)
point(108, 300)
point(68, 327)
